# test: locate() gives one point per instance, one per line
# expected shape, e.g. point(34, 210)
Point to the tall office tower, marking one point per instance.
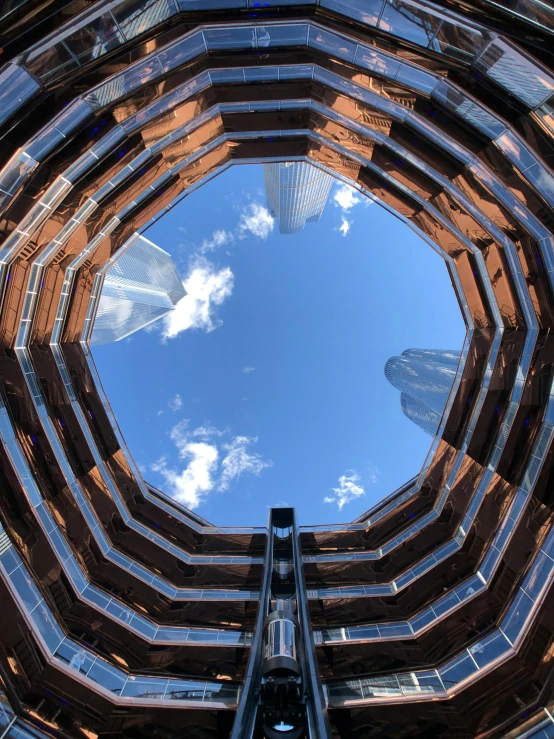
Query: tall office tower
point(125, 615)
point(424, 378)
point(141, 286)
point(296, 193)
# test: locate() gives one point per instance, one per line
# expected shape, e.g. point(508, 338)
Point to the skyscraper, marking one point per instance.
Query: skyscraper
point(141, 286)
point(296, 193)
point(424, 378)
point(126, 615)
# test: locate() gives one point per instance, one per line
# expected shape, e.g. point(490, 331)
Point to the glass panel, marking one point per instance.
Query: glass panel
point(428, 682)
point(362, 632)
point(457, 40)
point(538, 576)
point(457, 670)
point(95, 596)
point(188, 5)
point(112, 679)
point(408, 21)
point(230, 38)
point(52, 63)
point(266, 74)
point(141, 687)
point(291, 35)
point(10, 560)
point(77, 657)
point(515, 73)
point(16, 172)
point(489, 648)
point(366, 11)
point(43, 143)
point(145, 627)
point(515, 151)
point(513, 621)
point(297, 72)
point(333, 44)
point(445, 604)
point(26, 588)
point(180, 53)
point(47, 626)
point(142, 74)
point(395, 631)
point(94, 39)
point(416, 79)
point(76, 575)
point(422, 619)
point(122, 614)
point(137, 16)
point(16, 87)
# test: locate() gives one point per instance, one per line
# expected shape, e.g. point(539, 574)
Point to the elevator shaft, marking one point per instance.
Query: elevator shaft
point(282, 696)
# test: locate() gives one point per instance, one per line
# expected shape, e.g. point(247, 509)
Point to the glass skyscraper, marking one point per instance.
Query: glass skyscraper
point(141, 286)
point(424, 378)
point(296, 193)
point(125, 615)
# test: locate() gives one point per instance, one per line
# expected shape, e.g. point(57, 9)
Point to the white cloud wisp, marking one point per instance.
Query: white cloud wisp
point(175, 402)
point(256, 220)
point(207, 288)
point(344, 227)
point(346, 197)
point(239, 460)
point(349, 489)
point(219, 238)
point(202, 449)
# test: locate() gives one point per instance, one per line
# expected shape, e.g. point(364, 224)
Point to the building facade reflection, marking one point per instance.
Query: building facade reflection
point(296, 194)
point(424, 378)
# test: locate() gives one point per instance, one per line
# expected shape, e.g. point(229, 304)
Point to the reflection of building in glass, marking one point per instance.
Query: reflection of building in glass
point(140, 287)
point(296, 193)
point(424, 378)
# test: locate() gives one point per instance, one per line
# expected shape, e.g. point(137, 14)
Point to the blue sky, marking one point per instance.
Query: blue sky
point(265, 386)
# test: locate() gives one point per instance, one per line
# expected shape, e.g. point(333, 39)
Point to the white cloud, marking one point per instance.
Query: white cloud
point(175, 403)
point(206, 289)
point(346, 197)
point(159, 413)
point(349, 489)
point(372, 474)
point(195, 481)
point(202, 449)
point(207, 431)
point(248, 370)
point(344, 227)
point(239, 460)
point(190, 485)
point(257, 220)
point(219, 238)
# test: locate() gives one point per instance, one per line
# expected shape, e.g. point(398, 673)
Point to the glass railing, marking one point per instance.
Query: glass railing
point(124, 613)
point(93, 34)
point(52, 434)
point(495, 346)
point(90, 668)
point(71, 226)
point(471, 587)
point(468, 666)
point(386, 65)
point(35, 499)
point(441, 500)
